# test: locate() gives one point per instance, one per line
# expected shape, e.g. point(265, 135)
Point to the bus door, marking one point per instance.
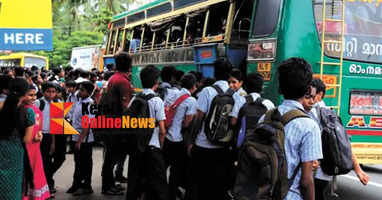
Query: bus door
point(205, 56)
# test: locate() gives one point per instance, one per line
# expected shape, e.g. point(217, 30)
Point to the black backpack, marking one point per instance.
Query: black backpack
point(249, 115)
point(218, 128)
point(139, 138)
point(162, 91)
point(337, 152)
point(262, 167)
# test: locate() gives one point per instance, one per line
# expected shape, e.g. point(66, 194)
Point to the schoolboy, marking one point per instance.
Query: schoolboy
point(83, 161)
point(151, 166)
point(174, 146)
point(52, 151)
point(210, 163)
point(302, 135)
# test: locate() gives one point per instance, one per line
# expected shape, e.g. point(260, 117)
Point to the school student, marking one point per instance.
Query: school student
point(53, 149)
point(150, 165)
point(210, 163)
point(167, 86)
point(322, 180)
point(83, 161)
point(174, 146)
point(254, 86)
point(302, 135)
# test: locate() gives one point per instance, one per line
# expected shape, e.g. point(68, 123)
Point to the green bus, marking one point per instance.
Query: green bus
point(341, 39)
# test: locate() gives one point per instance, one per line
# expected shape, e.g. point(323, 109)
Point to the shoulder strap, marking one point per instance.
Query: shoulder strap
point(218, 89)
point(248, 99)
point(148, 96)
point(180, 100)
point(293, 114)
point(291, 180)
point(42, 104)
point(259, 101)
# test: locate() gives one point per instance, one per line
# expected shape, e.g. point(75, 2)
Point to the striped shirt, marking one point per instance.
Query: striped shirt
point(302, 144)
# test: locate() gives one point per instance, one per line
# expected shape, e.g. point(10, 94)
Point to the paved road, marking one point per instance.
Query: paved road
point(64, 178)
point(349, 188)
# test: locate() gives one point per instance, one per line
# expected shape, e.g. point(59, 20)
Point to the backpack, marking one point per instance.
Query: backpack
point(139, 138)
point(171, 109)
point(249, 115)
point(337, 152)
point(217, 127)
point(262, 169)
point(162, 91)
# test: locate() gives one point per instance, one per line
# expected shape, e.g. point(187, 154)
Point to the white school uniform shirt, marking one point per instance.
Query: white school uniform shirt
point(187, 107)
point(204, 103)
point(302, 144)
point(77, 119)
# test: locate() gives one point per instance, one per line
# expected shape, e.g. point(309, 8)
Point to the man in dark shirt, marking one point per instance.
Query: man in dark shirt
point(121, 91)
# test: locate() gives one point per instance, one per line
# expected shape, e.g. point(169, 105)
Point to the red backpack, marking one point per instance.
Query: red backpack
point(171, 110)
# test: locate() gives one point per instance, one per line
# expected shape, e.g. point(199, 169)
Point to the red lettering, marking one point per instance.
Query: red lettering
point(117, 122)
point(206, 54)
point(85, 121)
point(357, 121)
point(376, 122)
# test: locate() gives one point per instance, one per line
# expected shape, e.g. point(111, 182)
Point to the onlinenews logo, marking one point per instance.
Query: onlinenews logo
point(58, 124)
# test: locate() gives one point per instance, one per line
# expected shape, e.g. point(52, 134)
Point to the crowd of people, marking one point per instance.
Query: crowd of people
point(199, 169)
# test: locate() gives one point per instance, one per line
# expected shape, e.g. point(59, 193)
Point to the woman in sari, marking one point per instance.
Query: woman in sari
point(35, 185)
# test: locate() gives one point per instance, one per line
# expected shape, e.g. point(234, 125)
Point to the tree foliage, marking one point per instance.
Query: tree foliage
point(79, 23)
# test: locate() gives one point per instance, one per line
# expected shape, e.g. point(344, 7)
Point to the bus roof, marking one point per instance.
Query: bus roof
point(129, 12)
point(20, 54)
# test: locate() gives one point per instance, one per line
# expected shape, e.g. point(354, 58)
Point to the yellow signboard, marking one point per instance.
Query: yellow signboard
point(330, 81)
point(26, 25)
point(264, 68)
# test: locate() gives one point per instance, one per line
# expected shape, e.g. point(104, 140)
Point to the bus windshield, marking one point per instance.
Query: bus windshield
point(38, 62)
point(266, 9)
point(363, 29)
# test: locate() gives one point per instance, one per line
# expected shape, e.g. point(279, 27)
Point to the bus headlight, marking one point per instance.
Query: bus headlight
point(262, 49)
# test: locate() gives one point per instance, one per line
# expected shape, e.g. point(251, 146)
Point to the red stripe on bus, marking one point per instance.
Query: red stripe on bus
point(368, 132)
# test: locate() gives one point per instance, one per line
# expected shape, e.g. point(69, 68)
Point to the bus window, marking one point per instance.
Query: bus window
point(127, 39)
point(10, 62)
point(363, 33)
point(269, 10)
point(147, 39)
point(119, 40)
point(160, 38)
point(38, 62)
point(177, 31)
point(111, 42)
point(217, 19)
point(135, 42)
point(242, 21)
point(195, 27)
